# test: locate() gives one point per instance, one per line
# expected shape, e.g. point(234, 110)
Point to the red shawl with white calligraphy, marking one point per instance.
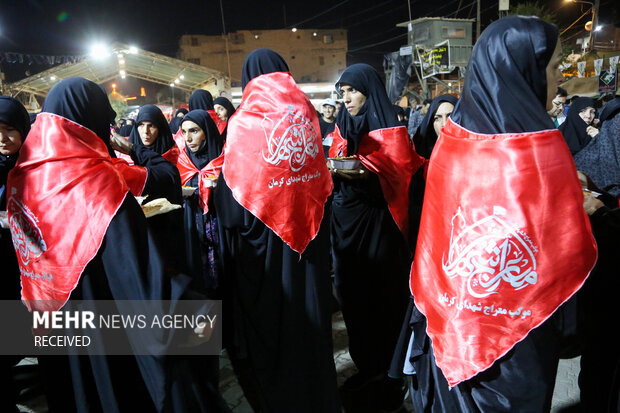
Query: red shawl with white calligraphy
point(62, 195)
point(273, 160)
point(503, 242)
point(389, 154)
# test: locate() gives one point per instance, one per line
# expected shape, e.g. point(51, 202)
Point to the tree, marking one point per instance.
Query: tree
point(118, 104)
point(530, 8)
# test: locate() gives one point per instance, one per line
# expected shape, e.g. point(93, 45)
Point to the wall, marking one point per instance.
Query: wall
point(312, 55)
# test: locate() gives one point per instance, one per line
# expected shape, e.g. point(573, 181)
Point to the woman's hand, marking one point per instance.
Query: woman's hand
point(118, 143)
point(349, 174)
point(592, 131)
point(590, 203)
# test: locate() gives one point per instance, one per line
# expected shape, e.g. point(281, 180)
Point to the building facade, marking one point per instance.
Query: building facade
point(312, 55)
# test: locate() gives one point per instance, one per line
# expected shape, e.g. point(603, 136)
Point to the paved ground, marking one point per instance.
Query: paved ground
point(566, 391)
point(565, 395)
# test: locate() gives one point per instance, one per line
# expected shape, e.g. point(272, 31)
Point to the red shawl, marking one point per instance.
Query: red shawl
point(503, 242)
point(187, 169)
point(273, 159)
point(62, 194)
point(389, 154)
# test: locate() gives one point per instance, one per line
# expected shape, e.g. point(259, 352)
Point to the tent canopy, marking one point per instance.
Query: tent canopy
point(120, 61)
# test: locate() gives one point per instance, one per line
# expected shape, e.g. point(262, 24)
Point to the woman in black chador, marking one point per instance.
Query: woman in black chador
point(511, 79)
point(202, 145)
point(277, 300)
point(14, 126)
point(369, 230)
point(577, 129)
point(112, 257)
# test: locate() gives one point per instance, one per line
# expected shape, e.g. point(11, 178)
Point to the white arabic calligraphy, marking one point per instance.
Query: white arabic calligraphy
point(488, 252)
point(296, 142)
point(25, 233)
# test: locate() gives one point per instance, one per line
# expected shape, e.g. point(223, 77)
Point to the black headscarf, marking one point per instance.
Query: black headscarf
point(506, 84)
point(211, 147)
point(425, 137)
point(201, 99)
point(125, 130)
point(600, 159)
point(175, 122)
point(83, 102)
point(574, 128)
point(376, 113)
point(13, 113)
point(227, 104)
point(260, 62)
point(610, 109)
point(151, 113)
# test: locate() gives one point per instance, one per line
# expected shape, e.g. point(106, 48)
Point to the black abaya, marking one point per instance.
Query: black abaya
point(278, 331)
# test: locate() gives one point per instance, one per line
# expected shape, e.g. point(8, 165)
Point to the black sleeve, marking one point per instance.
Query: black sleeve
point(163, 179)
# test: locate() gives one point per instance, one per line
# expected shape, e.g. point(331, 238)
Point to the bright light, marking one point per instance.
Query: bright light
point(122, 73)
point(176, 81)
point(122, 76)
point(314, 34)
point(598, 28)
point(294, 29)
point(133, 49)
point(99, 51)
point(181, 77)
point(171, 84)
point(120, 55)
point(113, 85)
point(121, 61)
point(52, 78)
point(256, 36)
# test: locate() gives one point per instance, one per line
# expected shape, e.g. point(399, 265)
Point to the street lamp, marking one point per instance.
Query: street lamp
point(594, 27)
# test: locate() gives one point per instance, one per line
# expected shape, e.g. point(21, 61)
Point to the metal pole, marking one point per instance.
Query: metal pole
point(226, 40)
point(477, 19)
point(594, 23)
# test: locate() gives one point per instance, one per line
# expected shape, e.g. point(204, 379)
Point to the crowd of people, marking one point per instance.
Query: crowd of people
point(472, 244)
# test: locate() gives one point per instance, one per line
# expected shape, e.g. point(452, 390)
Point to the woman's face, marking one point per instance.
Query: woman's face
point(193, 134)
point(148, 132)
point(10, 139)
point(352, 98)
point(554, 75)
point(443, 112)
point(587, 114)
point(221, 111)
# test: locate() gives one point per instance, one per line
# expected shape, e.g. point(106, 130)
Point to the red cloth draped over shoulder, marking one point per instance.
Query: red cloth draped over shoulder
point(389, 154)
point(221, 124)
point(62, 195)
point(171, 155)
point(503, 242)
point(179, 140)
point(273, 160)
point(187, 169)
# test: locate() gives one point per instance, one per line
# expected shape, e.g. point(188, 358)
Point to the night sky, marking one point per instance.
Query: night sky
point(69, 27)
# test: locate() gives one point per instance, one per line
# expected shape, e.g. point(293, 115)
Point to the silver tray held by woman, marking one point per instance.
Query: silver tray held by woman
point(348, 163)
